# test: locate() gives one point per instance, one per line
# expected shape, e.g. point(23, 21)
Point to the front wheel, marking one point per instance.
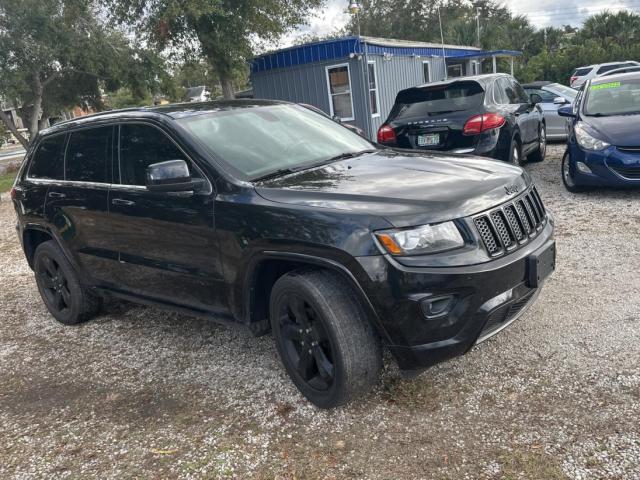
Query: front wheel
point(567, 176)
point(539, 154)
point(324, 339)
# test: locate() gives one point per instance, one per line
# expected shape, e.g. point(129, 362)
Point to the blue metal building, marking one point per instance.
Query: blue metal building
point(332, 76)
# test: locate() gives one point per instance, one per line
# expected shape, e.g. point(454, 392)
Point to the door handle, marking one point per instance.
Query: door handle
point(122, 203)
point(56, 195)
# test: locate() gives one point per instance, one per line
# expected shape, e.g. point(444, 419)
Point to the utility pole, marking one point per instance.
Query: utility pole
point(478, 25)
point(444, 57)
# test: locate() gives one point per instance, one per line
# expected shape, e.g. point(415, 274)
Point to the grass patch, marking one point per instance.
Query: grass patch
point(530, 464)
point(6, 180)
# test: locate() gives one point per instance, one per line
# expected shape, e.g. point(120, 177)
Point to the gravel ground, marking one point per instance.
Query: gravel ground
point(141, 393)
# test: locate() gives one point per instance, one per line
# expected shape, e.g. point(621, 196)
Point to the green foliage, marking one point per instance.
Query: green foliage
point(548, 54)
point(55, 54)
point(225, 32)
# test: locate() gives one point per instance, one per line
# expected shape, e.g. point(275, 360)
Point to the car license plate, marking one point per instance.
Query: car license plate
point(541, 265)
point(429, 140)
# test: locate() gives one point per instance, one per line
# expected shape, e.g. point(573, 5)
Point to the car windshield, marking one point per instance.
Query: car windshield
point(566, 92)
point(421, 102)
point(620, 97)
point(258, 141)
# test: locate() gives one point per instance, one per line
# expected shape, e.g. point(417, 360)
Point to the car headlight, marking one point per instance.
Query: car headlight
point(421, 240)
point(586, 140)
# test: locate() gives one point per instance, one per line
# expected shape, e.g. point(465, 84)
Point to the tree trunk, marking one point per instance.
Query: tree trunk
point(34, 120)
point(228, 91)
point(8, 121)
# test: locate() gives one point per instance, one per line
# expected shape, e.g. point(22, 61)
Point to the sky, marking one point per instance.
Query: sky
point(541, 13)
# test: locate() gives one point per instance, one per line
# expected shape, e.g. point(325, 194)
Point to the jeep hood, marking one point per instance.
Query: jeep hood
point(406, 188)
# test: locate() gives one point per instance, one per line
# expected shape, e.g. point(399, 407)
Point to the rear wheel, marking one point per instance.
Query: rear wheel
point(515, 153)
point(567, 176)
point(326, 343)
point(68, 301)
point(541, 151)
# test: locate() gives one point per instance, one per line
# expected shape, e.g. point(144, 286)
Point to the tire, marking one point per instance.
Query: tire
point(540, 152)
point(567, 177)
point(345, 357)
point(66, 299)
point(515, 153)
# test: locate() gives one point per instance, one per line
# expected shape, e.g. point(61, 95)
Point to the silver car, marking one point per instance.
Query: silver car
point(554, 96)
point(582, 74)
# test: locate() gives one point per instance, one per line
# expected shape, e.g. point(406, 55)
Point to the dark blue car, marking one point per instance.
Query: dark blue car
point(603, 146)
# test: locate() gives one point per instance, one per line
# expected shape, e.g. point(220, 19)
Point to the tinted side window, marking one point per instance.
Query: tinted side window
point(48, 161)
point(508, 89)
point(89, 154)
point(580, 72)
point(608, 68)
point(547, 97)
point(141, 146)
point(498, 93)
point(521, 95)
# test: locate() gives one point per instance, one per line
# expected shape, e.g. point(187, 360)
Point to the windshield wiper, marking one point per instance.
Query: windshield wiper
point(278, 173)
point(346, 155)
point(286, 171)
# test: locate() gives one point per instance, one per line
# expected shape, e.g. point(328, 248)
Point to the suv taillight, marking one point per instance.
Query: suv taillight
point(573, 79)
point(386, 135)
point(482, 123)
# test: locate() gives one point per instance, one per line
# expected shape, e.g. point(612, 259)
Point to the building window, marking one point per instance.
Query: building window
point(454, 70)
point(426, 72)
point(373, 90)
point(339, 83)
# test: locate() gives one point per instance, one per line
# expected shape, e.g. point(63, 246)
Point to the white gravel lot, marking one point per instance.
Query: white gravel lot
point(141, 393)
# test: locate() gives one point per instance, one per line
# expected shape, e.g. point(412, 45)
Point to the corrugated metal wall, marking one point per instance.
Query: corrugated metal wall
point(308, 83)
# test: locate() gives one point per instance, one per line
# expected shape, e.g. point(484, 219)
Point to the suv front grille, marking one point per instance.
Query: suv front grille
point(504, 228)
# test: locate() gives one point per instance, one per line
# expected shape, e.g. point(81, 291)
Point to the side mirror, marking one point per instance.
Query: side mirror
point(535, 98)
point(560, 101)
point(336, 119)
point(566, 112)
point(172, 176)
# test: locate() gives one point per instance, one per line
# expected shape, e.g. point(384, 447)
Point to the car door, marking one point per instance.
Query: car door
point(167, 245)
point(77, 207)
point(556, 125)
point(527, 118)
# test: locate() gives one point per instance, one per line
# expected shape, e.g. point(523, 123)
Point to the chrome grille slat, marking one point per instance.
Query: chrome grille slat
point(505, 228)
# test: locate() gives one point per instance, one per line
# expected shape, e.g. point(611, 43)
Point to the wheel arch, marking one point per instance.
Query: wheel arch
point(32, 237)
point(265, 270)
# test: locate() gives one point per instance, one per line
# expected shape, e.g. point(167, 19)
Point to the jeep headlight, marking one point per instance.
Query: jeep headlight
point(586, 140)
point(421, 240)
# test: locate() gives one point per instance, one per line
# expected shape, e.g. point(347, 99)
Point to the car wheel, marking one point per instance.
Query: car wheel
point(515, 153)
point(541, 151)
point(65, 298)
point(324, 339)
point(567, 177)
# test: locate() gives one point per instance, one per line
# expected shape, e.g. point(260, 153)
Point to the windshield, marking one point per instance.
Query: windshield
point(258, 141)
point(621, 97)
point(566, 92)
point(421, 102)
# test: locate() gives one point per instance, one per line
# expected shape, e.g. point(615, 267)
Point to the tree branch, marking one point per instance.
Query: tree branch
point(12, 127)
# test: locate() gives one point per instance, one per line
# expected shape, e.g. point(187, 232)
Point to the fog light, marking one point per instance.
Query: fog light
point(437, 307)
point(583, 168)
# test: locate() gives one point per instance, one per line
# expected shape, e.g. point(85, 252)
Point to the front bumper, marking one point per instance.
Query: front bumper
point(486, 298)
point(608, 167)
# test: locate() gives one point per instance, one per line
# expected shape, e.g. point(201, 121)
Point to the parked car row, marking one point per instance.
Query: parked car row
point(582, 74)
point(274, 217)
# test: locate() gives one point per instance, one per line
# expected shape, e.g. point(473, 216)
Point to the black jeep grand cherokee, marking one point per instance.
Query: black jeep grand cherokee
point(273, 217)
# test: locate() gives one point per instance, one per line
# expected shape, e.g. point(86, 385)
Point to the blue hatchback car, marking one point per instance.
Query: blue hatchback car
point(603, 146)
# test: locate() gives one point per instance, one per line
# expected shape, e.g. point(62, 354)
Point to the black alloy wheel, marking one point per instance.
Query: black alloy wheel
point(64, 296)
point(325, 340)
point(306, 343)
